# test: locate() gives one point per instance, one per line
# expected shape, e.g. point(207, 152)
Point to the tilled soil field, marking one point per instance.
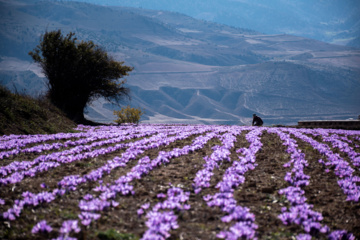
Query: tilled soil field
point(181, 182)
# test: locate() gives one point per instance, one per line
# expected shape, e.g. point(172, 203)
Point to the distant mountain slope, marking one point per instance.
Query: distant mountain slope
point(335, 21)
point(188, 70)
point(282, 92)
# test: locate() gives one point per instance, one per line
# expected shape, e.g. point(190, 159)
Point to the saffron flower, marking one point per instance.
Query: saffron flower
point(41, 227)
point(69, 226)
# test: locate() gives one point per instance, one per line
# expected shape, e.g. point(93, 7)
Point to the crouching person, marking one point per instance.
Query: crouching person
point(257, 121)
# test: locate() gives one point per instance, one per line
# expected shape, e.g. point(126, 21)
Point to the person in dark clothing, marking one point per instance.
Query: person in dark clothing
point(257, 121)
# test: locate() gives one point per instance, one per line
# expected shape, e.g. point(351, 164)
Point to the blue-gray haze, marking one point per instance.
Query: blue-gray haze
point(335, 21)
point(188, 70)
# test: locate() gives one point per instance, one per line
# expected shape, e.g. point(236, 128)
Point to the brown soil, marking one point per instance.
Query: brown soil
point(259, 193)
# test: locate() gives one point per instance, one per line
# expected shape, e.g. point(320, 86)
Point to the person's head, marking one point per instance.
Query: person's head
point(254, 115)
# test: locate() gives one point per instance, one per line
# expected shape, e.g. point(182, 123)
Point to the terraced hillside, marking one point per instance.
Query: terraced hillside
point(188, 70)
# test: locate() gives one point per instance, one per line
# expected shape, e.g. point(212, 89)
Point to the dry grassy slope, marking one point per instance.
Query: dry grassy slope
point(20, 114)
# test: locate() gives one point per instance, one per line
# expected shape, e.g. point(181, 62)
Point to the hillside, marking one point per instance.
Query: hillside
point(21, 114)
point(188, 70)
point(335, 21)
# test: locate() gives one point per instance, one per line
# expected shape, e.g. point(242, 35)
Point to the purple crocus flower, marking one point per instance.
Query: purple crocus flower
point(69, 226)
point(161, 195)
point(87, 217)
point(41, 226)
point(303, 237)
point(160, 224)
point(341, 235)
point(241, 230)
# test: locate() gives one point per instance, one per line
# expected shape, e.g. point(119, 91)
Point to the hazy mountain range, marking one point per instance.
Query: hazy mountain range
point(333, 21)
point(188, 70)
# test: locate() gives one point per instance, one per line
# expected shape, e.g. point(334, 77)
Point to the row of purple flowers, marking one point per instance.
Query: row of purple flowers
point(70, 182)
point(244, 227)
point(43, 163)
point(347, 181)
point(160, 218)
point(122, 185)
point(300, 212)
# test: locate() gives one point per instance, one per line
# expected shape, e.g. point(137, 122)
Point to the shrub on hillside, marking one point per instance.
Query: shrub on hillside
point(128, 115)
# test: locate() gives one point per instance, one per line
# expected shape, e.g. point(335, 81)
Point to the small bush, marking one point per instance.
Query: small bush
point(128, 115)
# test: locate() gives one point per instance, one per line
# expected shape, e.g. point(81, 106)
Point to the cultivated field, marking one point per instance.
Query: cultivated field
point(181, 182)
